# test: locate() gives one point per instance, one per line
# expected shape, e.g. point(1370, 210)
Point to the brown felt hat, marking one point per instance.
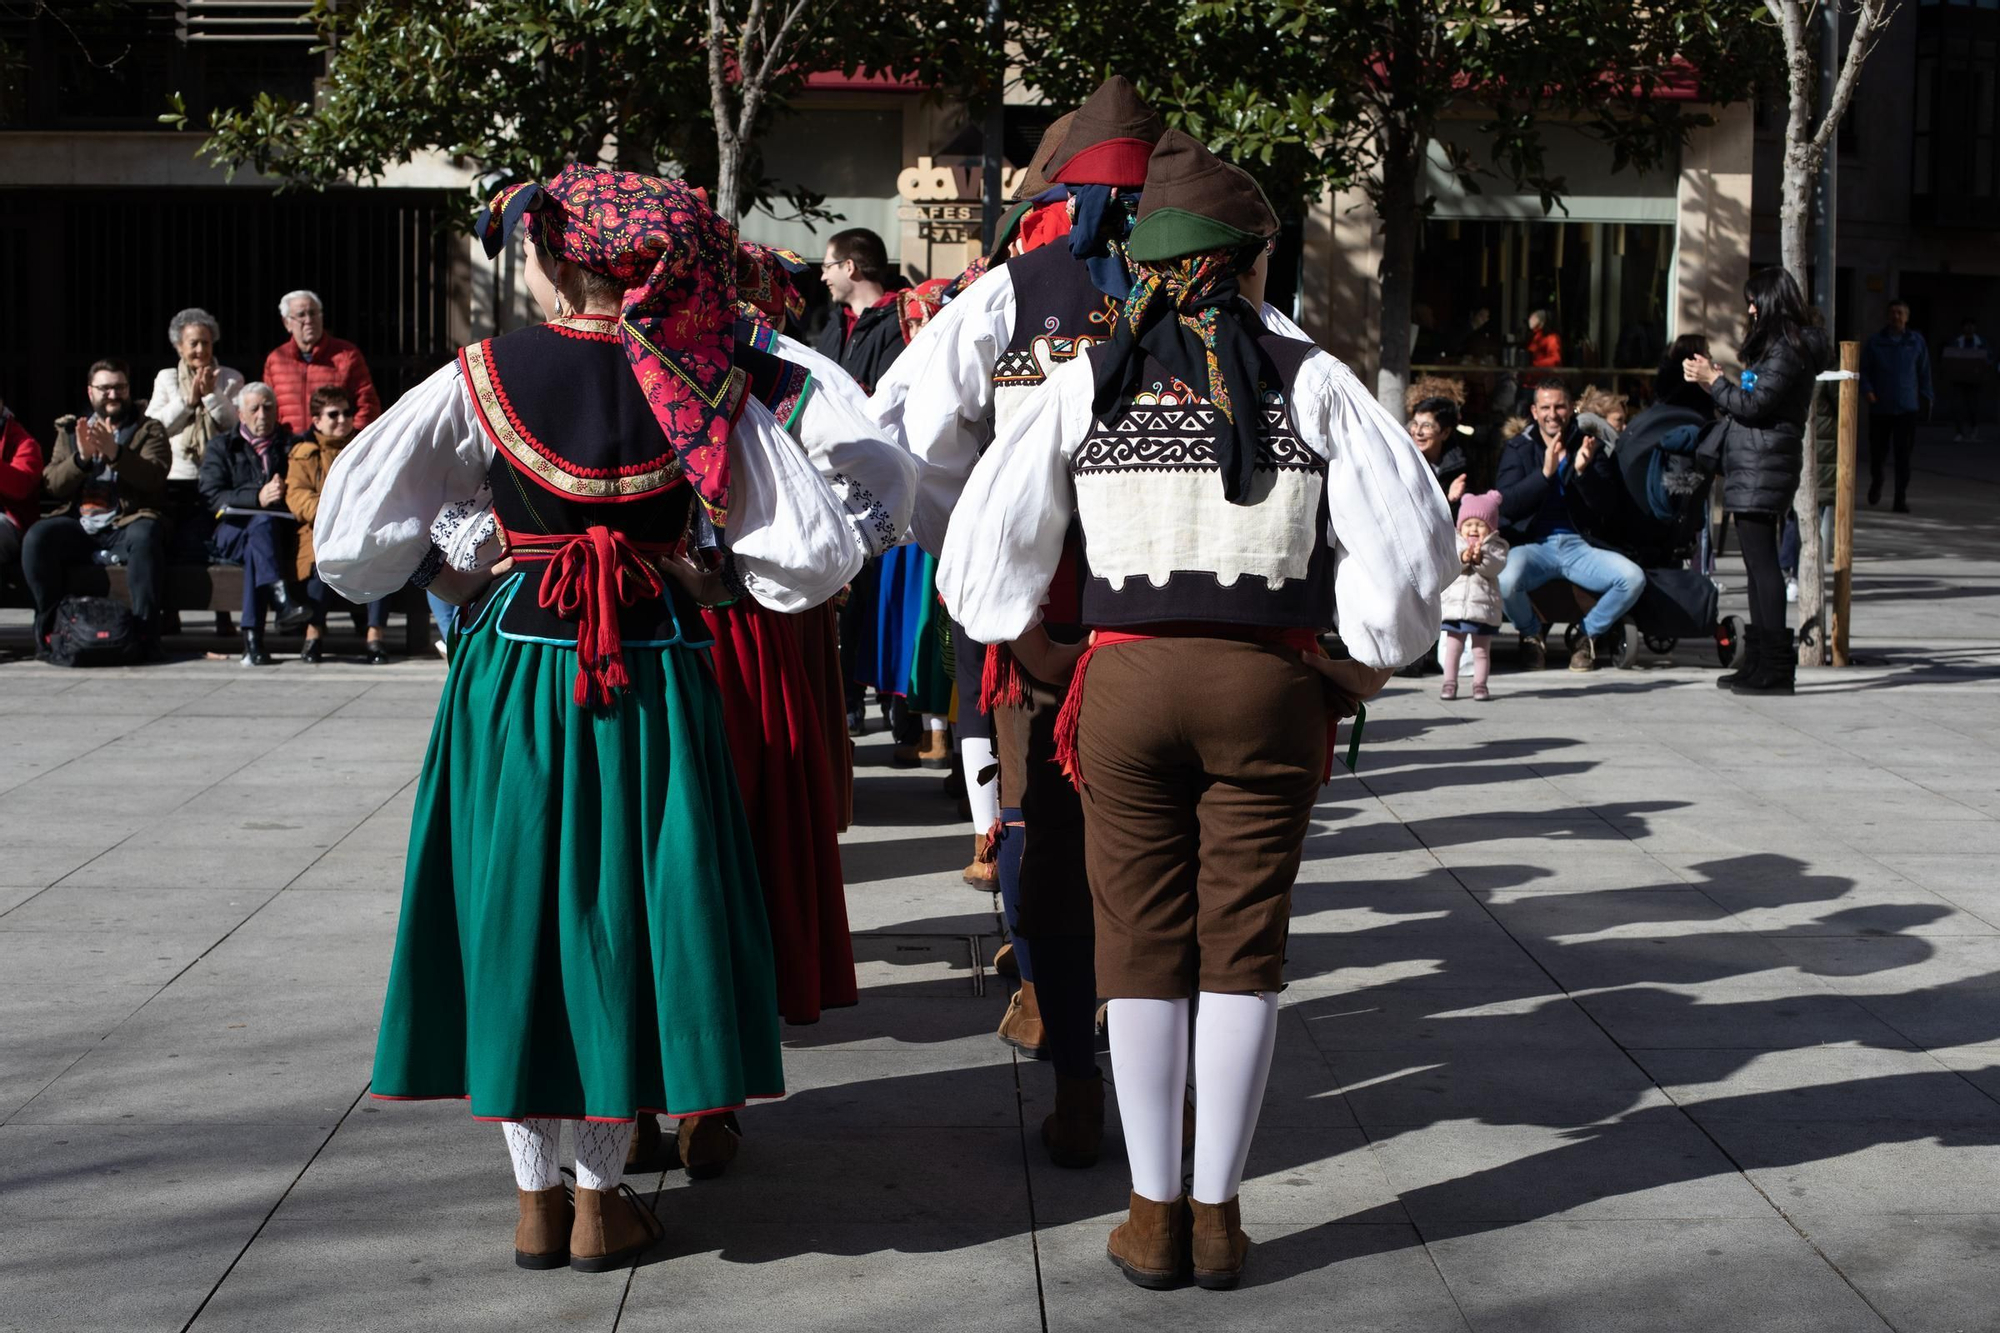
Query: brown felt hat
point(1194, 201)
point(1110, 137)
point(1036, 179)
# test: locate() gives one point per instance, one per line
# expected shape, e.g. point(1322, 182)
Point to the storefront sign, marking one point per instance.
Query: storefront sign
point(944, 201)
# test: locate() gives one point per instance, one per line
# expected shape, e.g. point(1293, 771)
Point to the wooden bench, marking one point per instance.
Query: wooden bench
point(219, 588)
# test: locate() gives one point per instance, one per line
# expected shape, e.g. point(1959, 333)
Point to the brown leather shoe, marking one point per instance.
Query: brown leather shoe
point(935, 752)
point(984, 872)
point(1005, 964)
point(707, 1144)
point(1218, 1243)
point(612, 1228)
point(903, 756)
point(541, 1237)
point(1585, 656)
point(1074, 1132)
point(649, 1153)
point(1150, 1245)
point(1021, 1026)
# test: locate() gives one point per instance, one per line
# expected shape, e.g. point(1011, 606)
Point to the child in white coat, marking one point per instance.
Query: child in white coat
point(1472, 606)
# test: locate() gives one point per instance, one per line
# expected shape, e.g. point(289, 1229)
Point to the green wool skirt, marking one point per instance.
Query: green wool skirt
point(582, 934)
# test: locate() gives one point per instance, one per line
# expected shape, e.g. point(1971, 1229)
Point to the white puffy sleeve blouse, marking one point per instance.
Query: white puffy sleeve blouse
point(1390, 530)
point(792, 539)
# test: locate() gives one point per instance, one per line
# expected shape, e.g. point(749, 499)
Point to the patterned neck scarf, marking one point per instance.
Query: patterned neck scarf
point(677, 261)
point(1101, 217)
point(1185, 313)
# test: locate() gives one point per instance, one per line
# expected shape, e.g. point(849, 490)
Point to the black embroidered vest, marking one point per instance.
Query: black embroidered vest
point(1161, 544)
point(1058, 315)
point(576, 446)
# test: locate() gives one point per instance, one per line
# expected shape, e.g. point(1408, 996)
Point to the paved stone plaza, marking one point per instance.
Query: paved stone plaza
point(1617, 1003)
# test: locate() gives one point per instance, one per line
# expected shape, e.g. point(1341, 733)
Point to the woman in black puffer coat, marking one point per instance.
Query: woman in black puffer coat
point(1763, 449)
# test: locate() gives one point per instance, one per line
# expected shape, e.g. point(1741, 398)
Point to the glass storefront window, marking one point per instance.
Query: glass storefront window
point(1601, 288)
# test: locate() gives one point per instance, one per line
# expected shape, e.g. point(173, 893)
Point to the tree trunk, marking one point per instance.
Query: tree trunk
point(1801, 167)
point(1401, 214)
point(728, 174)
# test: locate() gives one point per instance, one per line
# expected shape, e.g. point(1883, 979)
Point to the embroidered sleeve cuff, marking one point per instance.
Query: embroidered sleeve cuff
point(428, 568)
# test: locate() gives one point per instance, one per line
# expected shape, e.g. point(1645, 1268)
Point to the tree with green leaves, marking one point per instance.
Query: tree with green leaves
point(1318, 94)
point(518, 88)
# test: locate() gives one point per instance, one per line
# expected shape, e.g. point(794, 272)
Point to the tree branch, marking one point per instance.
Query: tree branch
point(1869, 20)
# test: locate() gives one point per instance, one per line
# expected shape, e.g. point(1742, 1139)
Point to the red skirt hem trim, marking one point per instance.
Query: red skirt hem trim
point(590, 1119)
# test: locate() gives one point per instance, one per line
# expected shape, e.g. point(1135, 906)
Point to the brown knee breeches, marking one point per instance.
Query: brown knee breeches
point(1055, 891)
point(1201, 760)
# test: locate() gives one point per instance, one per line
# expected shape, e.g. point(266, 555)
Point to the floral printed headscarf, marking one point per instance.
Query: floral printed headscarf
point(766, 294)
point(677, 260)
point(1186, 314)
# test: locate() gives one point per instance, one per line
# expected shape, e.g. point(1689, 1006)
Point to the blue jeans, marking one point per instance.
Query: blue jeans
point(1616, 580)
point(443, 614)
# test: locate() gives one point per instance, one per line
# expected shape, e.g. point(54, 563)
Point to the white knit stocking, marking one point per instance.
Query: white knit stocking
point(600, 1153)
point(1233, 1039)
point(533, 1145)
point(1149, 1044)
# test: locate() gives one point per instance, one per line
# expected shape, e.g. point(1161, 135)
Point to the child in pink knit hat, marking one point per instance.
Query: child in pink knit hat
point(1472, 607)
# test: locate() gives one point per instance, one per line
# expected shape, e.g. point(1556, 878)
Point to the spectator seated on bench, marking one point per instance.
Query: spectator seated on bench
point(1557, 501)
point(332, 427)
point(243, 485)
point(20, 492)
point(109, 472)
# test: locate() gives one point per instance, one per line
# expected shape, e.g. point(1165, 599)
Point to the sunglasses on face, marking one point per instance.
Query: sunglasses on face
point(335, 414)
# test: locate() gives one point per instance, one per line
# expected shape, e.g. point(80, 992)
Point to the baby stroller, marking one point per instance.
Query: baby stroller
point(1664, 530)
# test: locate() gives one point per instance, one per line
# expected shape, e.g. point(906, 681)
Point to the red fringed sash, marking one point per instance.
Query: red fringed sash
point(592, 574)
point(1067, 721)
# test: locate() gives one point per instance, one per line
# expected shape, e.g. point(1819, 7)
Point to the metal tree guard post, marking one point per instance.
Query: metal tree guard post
point(1843, 498)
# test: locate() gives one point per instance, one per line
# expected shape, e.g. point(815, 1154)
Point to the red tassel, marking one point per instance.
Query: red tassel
point(595, 573)
point(1069, 720)
point(1001, 683)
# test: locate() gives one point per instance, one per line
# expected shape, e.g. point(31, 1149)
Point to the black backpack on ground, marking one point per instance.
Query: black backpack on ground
point(94, 631)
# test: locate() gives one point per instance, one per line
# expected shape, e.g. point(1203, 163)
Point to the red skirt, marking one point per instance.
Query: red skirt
point(819, 644)
point(775, 737)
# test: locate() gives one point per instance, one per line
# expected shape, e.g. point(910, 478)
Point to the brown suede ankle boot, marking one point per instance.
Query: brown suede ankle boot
point(1150, 1245)
point(610, 1230)
point(984, 872)
point(541, 1237)
point(1219, 1244)
point(648, 1153)
point(1021, 1025)
point(707, 1145)
point(1074, 1134)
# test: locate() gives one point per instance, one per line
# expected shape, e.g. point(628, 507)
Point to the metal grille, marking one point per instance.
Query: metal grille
point(202, 21)
point(99, 273)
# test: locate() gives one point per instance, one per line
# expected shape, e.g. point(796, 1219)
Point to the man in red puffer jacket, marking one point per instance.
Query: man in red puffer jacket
point(313, 359)
point(20, 489)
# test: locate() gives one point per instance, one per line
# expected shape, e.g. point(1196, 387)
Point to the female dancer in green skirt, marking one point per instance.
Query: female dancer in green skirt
point(582, 935)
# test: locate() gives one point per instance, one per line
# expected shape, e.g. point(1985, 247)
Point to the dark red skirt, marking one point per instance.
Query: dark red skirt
point(819, 646)
point(776, 739)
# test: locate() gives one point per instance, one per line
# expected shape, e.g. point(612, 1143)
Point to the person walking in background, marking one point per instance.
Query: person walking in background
point(243, 470)
point(1967, 361)
point(313, 359)
point(194, 400)
point(1763, 451)
point(110, 471)
point(305, 477)
point(1545, 345)
point(1896, 377)
point(20, 490)
point(1472, 609)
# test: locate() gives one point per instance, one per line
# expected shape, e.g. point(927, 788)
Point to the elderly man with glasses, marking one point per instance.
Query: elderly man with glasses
point(314, 359)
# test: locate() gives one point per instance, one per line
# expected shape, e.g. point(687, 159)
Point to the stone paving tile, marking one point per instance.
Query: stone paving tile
point(85, 911)
point(839, 1273)
point(1653, 1164)
point(1642, 1276)
point(1905, 1165)
point(1818, 1083)
point(1925, 1274)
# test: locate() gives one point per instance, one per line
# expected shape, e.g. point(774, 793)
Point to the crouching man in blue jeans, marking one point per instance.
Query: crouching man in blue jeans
point(1552, 502)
